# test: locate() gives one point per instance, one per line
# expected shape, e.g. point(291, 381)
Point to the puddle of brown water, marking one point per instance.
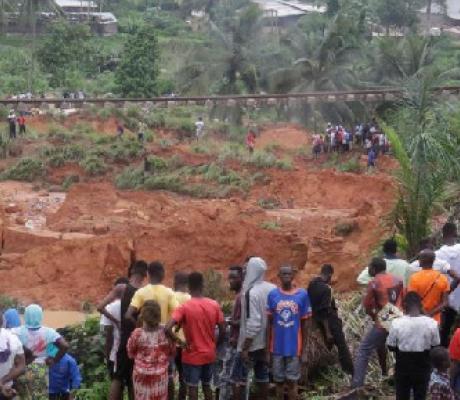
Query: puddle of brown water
point(60, 319)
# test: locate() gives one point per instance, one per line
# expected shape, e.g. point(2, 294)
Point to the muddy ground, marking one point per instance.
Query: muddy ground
point(65, 249)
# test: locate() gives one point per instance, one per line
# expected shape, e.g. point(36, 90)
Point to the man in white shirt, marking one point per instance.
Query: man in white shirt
point(450, 253)
point(411, 337)
point(111, 330)
point(12, 361)
point(199, 125)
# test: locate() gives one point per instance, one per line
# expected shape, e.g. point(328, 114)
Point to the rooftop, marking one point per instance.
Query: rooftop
point(285, 8)
point(452, 9)
point(75, 3)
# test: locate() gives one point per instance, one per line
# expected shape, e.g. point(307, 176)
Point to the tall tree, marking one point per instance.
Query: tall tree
point(65, 52)
point(138, 70)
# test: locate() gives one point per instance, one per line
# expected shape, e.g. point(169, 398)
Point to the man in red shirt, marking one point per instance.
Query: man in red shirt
point(383, 289)
point(198, 317)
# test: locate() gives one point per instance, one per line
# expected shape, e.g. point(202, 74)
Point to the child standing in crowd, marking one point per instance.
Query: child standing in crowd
point(64, 376)
point(440, 384)
point(151, 351)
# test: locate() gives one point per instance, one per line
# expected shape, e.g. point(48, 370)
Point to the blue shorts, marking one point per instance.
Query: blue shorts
point(286, 369)
point(257, 361)
point(194, 374)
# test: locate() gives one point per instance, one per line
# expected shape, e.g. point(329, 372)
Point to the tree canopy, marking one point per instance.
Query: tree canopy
point(138, 70)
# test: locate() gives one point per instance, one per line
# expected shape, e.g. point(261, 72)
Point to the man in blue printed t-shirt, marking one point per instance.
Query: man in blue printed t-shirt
point(288, 310)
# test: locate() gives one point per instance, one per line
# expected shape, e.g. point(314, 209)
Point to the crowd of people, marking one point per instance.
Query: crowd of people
point(167, 343)
point(339, 139)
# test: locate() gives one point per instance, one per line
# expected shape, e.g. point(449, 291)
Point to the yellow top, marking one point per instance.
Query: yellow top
point(163, 295)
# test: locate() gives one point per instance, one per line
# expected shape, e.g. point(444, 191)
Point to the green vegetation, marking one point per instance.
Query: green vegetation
point(137, 73)
point(426, 144)
point(26, 169)
point(271, 225)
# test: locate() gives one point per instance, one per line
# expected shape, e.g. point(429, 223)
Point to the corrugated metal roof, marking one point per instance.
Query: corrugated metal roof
point(286, 8)
point(76, 3)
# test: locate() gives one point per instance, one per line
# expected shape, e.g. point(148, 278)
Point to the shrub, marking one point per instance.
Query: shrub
point(262, 159)
point(232, 151)
point(8, 302)
point(352, 165)
point(93, 165)
point(171, 182)
point(269, 203)
point(27, 169)
point(125, 150)
point(87, 346)
point(60, 134)
point(158, 163)
point(155, 119)
point(5, 146)
point(69, 181)
point(58, 156)
point(130, 178)
point(165, 143)
point(270, 225)
point(133, 112)
point(285, 163)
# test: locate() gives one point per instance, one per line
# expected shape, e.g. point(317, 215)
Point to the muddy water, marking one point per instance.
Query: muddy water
point(60, 319)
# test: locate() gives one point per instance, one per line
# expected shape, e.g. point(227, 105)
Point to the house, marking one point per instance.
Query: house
point(283, 13)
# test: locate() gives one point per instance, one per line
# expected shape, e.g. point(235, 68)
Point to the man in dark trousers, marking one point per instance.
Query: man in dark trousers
point(326, 316)
point(411, 337)
point(122, 376)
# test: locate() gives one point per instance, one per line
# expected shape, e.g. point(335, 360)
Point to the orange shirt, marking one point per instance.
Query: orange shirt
point(430, 286)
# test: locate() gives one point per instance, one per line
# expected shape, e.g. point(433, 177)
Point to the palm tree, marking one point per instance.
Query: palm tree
point(427, 150)
point(328, 67)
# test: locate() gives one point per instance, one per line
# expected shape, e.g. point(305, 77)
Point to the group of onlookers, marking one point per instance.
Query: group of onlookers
point(156, 335)
point(33, 359)
point(158, 338)
point(414, 308)
point(339, 139)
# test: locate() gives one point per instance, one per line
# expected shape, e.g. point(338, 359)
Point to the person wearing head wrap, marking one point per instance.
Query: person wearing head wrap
point(12, 362)
point(11, 319)
point(252, 342)
point(45, 346)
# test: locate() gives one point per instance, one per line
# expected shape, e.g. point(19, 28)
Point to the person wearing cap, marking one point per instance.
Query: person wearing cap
point(44, 346)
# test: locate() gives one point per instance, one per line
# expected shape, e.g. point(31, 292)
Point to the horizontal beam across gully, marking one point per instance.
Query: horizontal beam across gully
point(377, 94)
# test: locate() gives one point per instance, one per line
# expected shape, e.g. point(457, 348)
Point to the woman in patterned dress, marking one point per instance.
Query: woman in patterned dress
point(151, 350)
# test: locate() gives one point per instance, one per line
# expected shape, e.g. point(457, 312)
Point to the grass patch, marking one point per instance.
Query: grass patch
point(130, 178)
point(271, 225)
point(351, 165)
point(69, 181)
point(269, 203)
point(26, 169)
point(93, 164)
point(58, 156)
